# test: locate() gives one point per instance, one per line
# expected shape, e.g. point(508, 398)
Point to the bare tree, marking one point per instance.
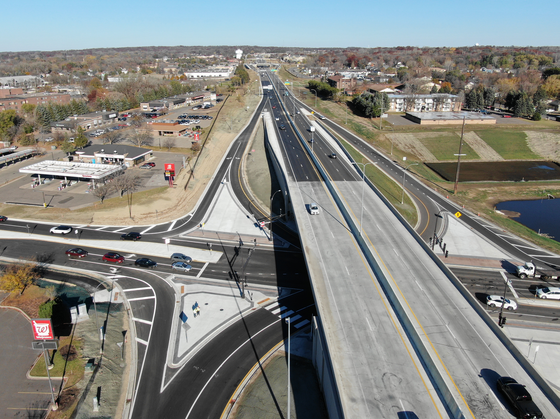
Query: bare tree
point(128, 182)
point(112, 137)
point(169, 143)
point(102, 191)
point(140, 137)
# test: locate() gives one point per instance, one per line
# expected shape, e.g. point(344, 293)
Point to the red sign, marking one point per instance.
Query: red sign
point(169, 167)
point(42, 329)
point(196, 137)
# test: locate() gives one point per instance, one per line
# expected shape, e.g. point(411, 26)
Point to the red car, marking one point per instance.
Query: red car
point(507, 116)
point(151, 163)
point(113, 257)
point(3, 218)
point(77, 252)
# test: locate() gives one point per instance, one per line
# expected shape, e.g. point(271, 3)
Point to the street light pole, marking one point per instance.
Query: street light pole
point(95, 309)
point(403, 176)
point(459, 159)
point(288, 320)
point(272, 198)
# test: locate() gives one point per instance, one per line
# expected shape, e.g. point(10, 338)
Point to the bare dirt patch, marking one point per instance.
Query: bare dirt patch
point(546, 144)
point(485, 152)
point(410, 144)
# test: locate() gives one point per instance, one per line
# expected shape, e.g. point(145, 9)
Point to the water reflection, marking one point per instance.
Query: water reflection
point(541, 215)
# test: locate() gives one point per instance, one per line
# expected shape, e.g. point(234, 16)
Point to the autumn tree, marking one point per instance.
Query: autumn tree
point(140, 137)
point(112, 137)
point(168, 143)
point(128, 183)
point(102, 191)
point(17, 277)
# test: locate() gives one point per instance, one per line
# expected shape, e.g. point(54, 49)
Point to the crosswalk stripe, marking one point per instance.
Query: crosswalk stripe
point(301, 324)
point(286, 314)
point(278, 310)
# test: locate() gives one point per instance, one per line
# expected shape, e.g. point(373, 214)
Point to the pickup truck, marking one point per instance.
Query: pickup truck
point(531, 271)
point(519, 398)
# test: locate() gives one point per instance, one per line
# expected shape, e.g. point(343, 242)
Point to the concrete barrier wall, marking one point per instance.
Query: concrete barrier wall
point(523, 361)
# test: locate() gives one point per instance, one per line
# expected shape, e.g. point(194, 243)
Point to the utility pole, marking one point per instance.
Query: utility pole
point(459, 159)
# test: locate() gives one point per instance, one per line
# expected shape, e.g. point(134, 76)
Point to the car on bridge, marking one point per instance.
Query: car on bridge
point(61, 230)
point(496, 301)
point(112, 257)
point(519, 398)
point(77, 252)
point(314, 209)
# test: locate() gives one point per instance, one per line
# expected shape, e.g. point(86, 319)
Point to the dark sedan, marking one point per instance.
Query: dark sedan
point(131, 236)
point(77, 252)
point(145, 263)
point(113, 257)
point(519, 398)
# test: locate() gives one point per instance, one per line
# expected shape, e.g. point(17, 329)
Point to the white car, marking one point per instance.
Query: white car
point(497, 300)
point(314, 209)
point(552, 293)
point(61, 230)
point(181, 266)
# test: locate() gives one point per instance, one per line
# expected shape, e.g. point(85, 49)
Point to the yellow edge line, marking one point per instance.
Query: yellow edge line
point(246, 375)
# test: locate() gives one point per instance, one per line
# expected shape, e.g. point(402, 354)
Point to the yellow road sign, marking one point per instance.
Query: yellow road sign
point(458, 214)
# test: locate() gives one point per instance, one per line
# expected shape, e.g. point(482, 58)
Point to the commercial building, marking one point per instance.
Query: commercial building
point(168, 128)
point(435, 102)
point(178, 101)
point(113, 154)
point(15, 101)
point(86, 121)
point(450, 118)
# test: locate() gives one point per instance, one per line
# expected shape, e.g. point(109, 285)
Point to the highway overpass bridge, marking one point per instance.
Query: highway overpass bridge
point(397, 336)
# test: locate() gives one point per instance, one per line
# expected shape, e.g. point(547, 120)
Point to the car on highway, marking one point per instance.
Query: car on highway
point(332, 155)
point(131, 236)
point(496, 301)
point(112, 257)
point(278, 119)
point(145, 263)
point(282, 127)
point(180, 257)
point(61, 230)
point(314, 209)
point(3, 218)
point(506, 116)
point(552, 293)
point(77, 252)
point(519, 398)
point(181, 266)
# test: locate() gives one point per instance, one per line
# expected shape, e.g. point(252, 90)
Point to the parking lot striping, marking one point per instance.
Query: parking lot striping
point(152, 297)
point(142, 321)
point(137, 289)
point(171, 225)
point(202, 269)
point(143, 342)
point(148, 229)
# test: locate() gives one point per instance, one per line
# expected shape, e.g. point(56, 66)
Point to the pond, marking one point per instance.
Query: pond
point(540, 215)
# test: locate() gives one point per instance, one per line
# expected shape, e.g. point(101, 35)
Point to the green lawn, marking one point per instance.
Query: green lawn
point(511, 145)
point(446, 147)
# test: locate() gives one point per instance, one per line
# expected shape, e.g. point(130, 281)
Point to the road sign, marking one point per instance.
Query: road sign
point(44, 344)
point(458, 214)
point(42, 329)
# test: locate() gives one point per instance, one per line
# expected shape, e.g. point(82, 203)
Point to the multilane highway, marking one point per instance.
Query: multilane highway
point(468, 354)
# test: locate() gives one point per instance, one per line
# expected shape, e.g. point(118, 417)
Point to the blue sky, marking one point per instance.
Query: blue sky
point(64, 25)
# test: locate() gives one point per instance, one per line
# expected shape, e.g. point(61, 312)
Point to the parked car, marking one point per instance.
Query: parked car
point(146, 166)
point(61, 230)
point(3, 218)
point(131, 236)
point(112, 257)
point(151, 164)
point(77, 252)
point(519, 398)
point(314, 209)
point(497, 300)
point(181, 266)
point(145, 263)
point(179, 257)
point(552, 293)
point(507, 116)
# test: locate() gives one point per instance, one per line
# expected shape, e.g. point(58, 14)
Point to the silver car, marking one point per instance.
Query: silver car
point(497, 300)
point(179, 257)
point(61, 230)
point(181, 266)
